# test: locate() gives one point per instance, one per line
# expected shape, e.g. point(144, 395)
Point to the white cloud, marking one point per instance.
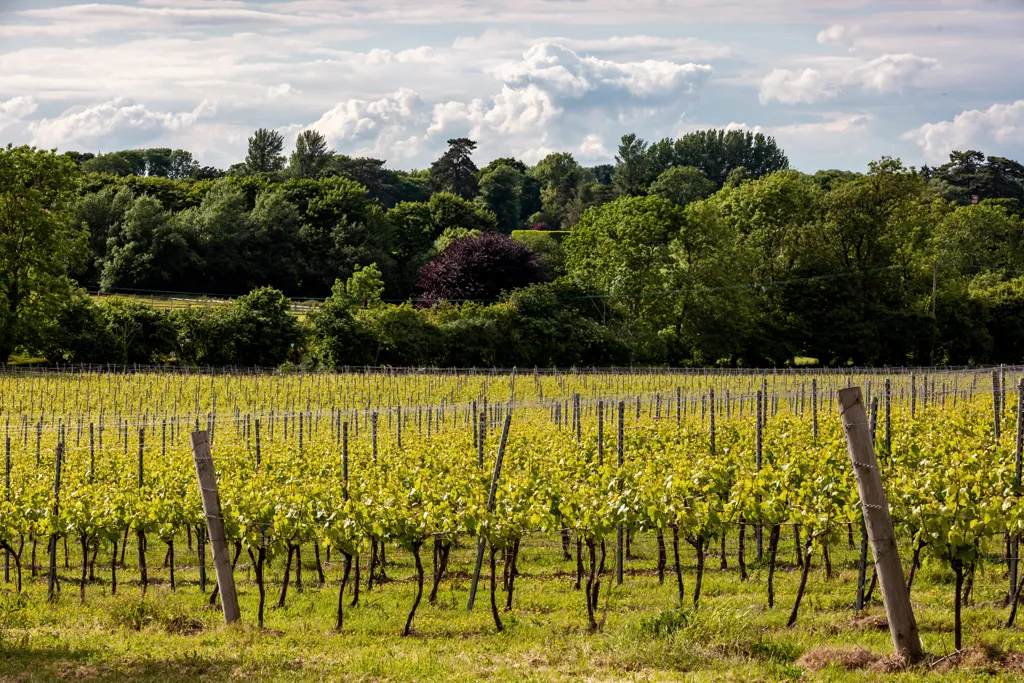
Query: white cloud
point(1000, 128)
point(838, 34)
point(832, 124)
point(15, 110)
point(791, 87)
point(564, 74)
point(889, 73)
point(284, 90)
point(593, 147)
point(389, 126)
point(97, 123)
point(692, 48)
point(892, 73)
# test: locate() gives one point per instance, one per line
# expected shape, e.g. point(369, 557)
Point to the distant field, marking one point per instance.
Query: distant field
point(173, 301)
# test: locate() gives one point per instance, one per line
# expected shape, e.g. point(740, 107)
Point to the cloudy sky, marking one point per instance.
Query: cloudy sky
point(837, 82)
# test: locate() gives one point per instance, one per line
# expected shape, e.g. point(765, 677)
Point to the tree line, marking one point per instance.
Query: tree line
point(701, 250)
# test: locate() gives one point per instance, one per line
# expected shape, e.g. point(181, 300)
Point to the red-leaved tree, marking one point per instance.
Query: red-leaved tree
point(478, 268)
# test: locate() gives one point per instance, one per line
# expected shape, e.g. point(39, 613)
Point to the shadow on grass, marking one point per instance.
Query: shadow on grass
point(30, 663)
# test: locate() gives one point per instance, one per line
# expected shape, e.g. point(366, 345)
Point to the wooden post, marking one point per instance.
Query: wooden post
point(1015, 543)
point(490, 506)
point(620, 532)
point(758, 441)
point(996, 408)
point(814, 409)
point(711, 406)
point(52, 575)
point(207, 477)
point(895, 595)
point(7, 496)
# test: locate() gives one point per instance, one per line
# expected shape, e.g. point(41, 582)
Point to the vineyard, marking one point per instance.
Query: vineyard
point(391, 525)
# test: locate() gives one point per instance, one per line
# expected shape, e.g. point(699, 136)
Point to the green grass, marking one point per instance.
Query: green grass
point(733, 636)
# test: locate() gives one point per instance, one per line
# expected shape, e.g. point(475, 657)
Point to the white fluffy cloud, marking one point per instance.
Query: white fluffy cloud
point(892, 73)
point(94, 124)
point(15, 110)
point(889, 73)
point(792, 87)
point(838, 34)
point(1001, 127)
point(539, 97)
point(282, 91)
point(564, 74)
point(388, 127)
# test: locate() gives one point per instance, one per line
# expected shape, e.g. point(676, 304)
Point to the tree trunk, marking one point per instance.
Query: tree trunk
point(958, 569)
point(17, 561)
point(513, 573)
point(662, 558)
point(85, 568)
point(341, 591)
point(170, 560)
point(287, 576)
point(257, 563)
point(915, 562)
point(679, 569)
point(319, 567)
point(355, 584)
point(419, 587)
point(143, 574)
point(441, 566)
point(740, 556)
point(494, 590)
point(803, 582)
point(113, 570)
point(773, 551)
point(698, 545)
point(579, 564)
point(591, 580)
point(725, 562)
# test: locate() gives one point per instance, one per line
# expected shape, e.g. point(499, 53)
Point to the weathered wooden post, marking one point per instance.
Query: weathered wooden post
point(207, 477)
point(895, 595)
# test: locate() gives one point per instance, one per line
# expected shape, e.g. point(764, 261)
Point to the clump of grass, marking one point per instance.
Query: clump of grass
point(138, 614)
point(851, 659)
point(665, 623)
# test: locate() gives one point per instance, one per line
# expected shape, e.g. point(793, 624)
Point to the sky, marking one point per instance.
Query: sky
point(838, 83)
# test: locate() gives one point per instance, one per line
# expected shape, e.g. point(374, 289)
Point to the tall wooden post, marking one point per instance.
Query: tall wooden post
point(490, 506)
point(207, 477)
point(1015, 544)
point(52, 574)
point(895, 595)
point(620, 532)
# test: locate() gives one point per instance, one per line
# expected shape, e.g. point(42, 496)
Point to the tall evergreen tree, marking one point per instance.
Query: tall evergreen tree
point(310, 156)
point(455, 171)
point(265, 152)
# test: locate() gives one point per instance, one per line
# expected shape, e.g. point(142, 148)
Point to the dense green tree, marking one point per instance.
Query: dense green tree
point(455, 171)
point(718, 152)
point(622, 250)
point(263, 328)
point(145, 250)
point(561, 180)
point(39, 243)
point(683, 185)
point(265, 153)
point(140, 333)
point(500, 191)
point(632, 167)
point(273, 253)
point(311, 155)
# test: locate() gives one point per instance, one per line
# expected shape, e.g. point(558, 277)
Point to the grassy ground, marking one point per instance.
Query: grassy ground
point(172, 636)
